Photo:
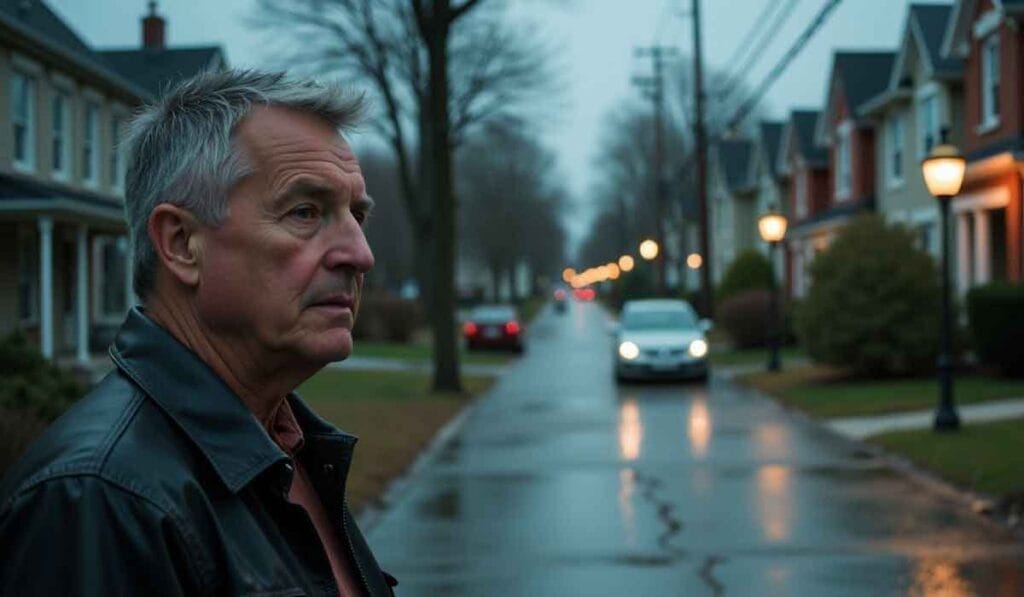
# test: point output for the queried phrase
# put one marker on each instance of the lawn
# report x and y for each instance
(826, 392)
(986, 457)
(395, 415)
(415, 351)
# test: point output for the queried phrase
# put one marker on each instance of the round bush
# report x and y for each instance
(749, 271)
(745, 318)
(873, 305)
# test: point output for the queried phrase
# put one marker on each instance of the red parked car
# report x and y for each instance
(493, 326)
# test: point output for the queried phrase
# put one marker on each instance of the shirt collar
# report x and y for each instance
(213, 417)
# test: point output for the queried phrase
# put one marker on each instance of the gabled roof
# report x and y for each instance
(861, 76)
(156, 69)
(929, 23)
(801, 133)
(769, 139)
(734, 162)
(42, 29)
(958, 30)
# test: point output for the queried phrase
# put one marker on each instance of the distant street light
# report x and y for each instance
(626, 263)
(649, 250)
(694, 261)
(772, 227)
(613, 271)
(943, 171)
(568, 274)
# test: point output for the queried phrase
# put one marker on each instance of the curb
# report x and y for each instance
(979, 505)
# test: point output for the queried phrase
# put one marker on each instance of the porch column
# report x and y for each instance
(45, 225)
(963, 251)
(82, 293)
(982, 247)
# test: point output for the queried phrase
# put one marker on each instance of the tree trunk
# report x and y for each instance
(437, 166)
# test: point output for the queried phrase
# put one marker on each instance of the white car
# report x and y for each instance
(660, 338)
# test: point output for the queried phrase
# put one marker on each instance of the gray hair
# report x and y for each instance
(181, 149)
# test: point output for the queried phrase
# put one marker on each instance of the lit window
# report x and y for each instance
(23, 119)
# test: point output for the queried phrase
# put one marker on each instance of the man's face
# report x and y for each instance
(282, 276)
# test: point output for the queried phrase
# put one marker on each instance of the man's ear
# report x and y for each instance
(176, 235)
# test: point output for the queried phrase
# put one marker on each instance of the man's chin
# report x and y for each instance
(330, 348)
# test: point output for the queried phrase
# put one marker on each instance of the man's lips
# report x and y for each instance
(339, 302)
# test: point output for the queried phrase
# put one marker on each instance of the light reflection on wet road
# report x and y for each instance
(560, 483)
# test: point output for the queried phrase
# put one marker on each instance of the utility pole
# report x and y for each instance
(702, 166)
(654, 88)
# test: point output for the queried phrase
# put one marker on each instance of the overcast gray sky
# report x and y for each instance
(595, 41)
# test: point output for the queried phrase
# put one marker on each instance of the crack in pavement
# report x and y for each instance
(707, 574)
(666, 513)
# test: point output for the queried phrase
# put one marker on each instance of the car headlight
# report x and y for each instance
(698, 348)
(629, 350)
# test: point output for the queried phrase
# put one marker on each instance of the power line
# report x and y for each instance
(780, 19)
(743, 47)
(779, 67)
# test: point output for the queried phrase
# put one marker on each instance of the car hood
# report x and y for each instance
(660, 338)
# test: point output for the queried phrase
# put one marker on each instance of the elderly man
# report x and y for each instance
(193, 468)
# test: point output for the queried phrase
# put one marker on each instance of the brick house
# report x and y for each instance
(987, 36)
(65, 280)
(924, 96)
(804, 165)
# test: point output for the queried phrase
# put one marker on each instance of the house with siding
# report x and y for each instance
(805, 165)
(924, 96)
(64, 275)
(988, 37)
(732, 193)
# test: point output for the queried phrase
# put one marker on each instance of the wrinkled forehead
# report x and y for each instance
(271, 133)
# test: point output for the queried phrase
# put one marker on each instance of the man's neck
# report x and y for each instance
(260, 384)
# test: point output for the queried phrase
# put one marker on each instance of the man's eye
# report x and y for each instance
(360, 215)
(304, 212)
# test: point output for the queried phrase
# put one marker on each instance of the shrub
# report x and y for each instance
(996, 325)
(874, 301)
(745, 317)
(749, 271)
(384, 316)
(31, 384)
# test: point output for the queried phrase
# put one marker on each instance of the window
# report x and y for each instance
(28, 276)
(928, 124)
(23, 120)
(60, 116)
(894, 150)
(801, 194)
(843, 162)
(90, 140)
(990, 81)
(110, 256)
(116, 153)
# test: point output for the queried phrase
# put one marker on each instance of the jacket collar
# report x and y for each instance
(206, 409)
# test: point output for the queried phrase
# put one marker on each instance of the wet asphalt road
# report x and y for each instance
(561, 483)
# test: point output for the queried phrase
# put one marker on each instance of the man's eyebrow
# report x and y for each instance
(316, 190)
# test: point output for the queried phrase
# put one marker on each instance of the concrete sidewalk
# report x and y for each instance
(384, 364)
(862, 427)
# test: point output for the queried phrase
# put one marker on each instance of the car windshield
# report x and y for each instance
(656, 320)
(493, 314)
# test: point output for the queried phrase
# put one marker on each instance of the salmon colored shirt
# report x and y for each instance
(287, 434)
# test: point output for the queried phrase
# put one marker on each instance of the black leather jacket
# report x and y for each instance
(161, 482)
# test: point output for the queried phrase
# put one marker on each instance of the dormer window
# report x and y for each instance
(990, 81)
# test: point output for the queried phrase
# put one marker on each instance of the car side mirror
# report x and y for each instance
(705, 325)
(613, 328)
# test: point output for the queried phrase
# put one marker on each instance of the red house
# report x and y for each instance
(988, 36)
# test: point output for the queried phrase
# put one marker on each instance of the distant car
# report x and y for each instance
(561, 298)
(493, 326)
(660, 338)
(584, 295)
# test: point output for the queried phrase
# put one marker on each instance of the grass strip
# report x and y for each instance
(987, 457)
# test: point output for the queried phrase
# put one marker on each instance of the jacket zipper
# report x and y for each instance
(351, 550)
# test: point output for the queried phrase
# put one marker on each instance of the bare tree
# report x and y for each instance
(406, 50)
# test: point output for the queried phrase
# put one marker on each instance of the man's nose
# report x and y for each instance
(349, 247)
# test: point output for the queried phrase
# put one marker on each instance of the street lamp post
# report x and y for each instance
(772, 227)
(944, 175)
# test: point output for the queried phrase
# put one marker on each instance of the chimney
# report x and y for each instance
(152, 29)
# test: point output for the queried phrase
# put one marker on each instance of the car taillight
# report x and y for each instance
(470, 328)
(512, 328)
